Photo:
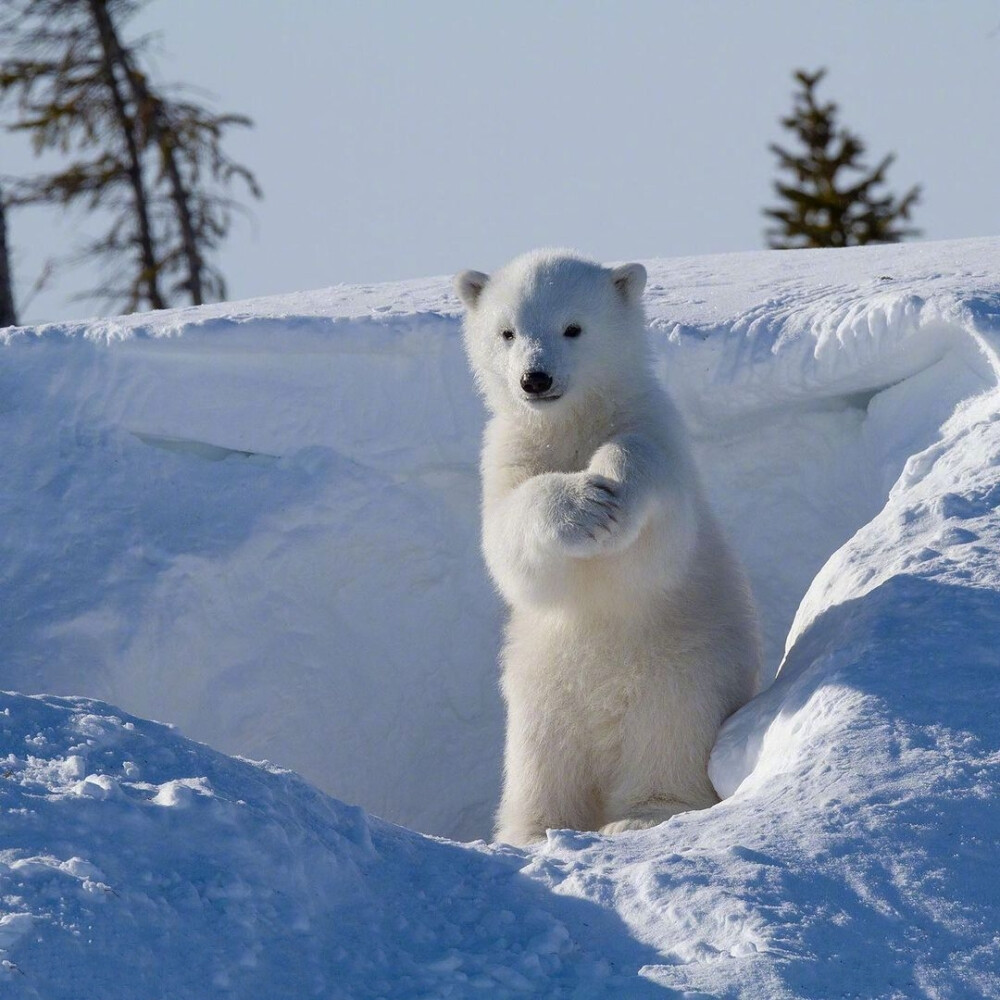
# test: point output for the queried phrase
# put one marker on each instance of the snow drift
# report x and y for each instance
(259, 522)
(135, 863)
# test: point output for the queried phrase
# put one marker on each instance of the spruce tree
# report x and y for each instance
(149, 162)
(831, 198)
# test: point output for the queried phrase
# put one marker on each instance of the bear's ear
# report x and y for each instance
(630, 280)
(469, 285)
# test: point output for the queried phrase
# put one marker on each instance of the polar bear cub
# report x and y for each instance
(631, 635)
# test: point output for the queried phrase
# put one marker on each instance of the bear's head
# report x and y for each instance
(551, 329)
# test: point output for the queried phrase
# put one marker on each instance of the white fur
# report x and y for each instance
(631, 634)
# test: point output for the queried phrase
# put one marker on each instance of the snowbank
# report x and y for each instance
(135, 863)
(258, 521)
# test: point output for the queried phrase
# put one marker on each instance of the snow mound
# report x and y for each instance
(134, 862)
(259, 522)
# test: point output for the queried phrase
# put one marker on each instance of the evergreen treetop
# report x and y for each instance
(831, 198)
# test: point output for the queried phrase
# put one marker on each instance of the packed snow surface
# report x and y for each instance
(259, 522)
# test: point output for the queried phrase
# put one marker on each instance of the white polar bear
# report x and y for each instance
(632, 635)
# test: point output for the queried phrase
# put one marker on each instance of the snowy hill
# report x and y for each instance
(135, 863)
(258, 521)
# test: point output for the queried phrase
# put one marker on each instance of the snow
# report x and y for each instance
(258, 521)
(173, 870)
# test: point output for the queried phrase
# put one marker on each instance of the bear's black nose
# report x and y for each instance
(536, 383)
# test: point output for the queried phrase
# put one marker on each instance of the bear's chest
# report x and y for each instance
(569, 450)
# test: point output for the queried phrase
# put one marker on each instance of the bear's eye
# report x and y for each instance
(507, 334)
(573, 330)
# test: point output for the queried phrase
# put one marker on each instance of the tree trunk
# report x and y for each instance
(163, 135)
(112, 53)
(8, 314)
(165, 138)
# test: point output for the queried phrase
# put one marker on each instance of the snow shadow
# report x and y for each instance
(929, 648)
(449, 920)
(91, 521)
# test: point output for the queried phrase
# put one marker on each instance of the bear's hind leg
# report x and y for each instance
(547, 781)
(543, 795)
(649, 814)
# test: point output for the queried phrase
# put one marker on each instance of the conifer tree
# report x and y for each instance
(831, 198)
(150, 161)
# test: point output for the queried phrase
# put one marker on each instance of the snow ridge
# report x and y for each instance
(133, 861)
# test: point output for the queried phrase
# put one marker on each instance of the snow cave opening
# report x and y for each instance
(794, 482)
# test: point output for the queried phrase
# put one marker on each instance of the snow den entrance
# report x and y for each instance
(793, 477)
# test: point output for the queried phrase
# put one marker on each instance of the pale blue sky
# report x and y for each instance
(398, 140)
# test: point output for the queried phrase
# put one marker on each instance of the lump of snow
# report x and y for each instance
(181, 793)
(96, 786)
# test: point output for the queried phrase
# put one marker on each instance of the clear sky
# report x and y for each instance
(404, 139)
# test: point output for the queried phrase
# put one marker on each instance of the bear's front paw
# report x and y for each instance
(591, 517)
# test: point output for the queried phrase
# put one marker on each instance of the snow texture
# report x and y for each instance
(135, 863)
(259, 521)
